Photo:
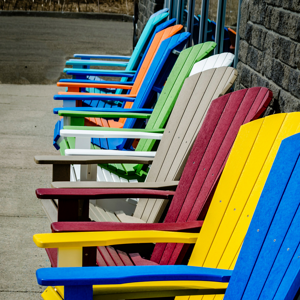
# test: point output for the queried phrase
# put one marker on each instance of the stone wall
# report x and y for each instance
(146, 9)
(269, 53)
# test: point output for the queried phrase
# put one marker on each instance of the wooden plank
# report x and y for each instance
(125, 258)
(114, 255)
(106, 256)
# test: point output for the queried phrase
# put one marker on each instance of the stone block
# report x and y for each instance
(248, 32)
(297, 56)
(286, 51)
(293, 27)
(254, 58)
(258, 36)
(280, 73)
(267, 66)
(287, 102)
(246, 76)
(268, 16)
(271, 44)
(243, 51)
(257, 11)
(294, 83)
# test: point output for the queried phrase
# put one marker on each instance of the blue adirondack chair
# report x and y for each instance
(132, 67)
(268, 266)
(133, 60)
(158, 72)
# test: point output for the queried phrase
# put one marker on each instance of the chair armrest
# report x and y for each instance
(95, 72)
(82, 96)
(95, 114)
(88, 160)
(194, 226)
(93, 81)
(86, 194)
(99, 109)
(110, 238)
(172, 185)
(88, 56)
(82, 62)
(128, 274)
(96, 84)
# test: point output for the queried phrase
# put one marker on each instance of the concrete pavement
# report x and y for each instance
(26, 126)
(34, 50)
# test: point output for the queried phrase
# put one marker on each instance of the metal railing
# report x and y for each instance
(177, 7)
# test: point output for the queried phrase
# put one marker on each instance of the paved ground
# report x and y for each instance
(26, 123)
(26, 128)
(34, 50)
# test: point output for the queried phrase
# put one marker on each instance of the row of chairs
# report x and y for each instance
(220, 200)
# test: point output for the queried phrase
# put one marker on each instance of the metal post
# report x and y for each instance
(203, 21)
(179, 11)
(219, 35)
(237, 38)
(190, 20)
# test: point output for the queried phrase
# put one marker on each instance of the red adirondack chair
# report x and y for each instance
(192, 197)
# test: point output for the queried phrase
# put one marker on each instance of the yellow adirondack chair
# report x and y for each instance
(224, 228)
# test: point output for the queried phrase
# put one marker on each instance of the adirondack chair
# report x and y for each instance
(133, 61)
(130, 69)
(142, 93)
(267, 266)
(134, 87)
(187, 116)
(153, 83)
(192, 196)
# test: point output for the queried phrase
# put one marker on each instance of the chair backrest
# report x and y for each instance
(215, 61)
(146, 36)
(239, 189)
(171, 89)
(268, 264)
(207, 159)
(186, 119)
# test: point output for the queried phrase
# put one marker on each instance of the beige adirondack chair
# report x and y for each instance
(185, 121)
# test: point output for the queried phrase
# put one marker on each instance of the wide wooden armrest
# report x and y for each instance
(95, 114)
(171, 185)
(96, 72)
(86, 194)
(99, 109)
(96, 84)
(88, 160)
(128, 274)
(92, 96)
(88, 56)
(194, 226)
(110, 238)
(85, 62)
